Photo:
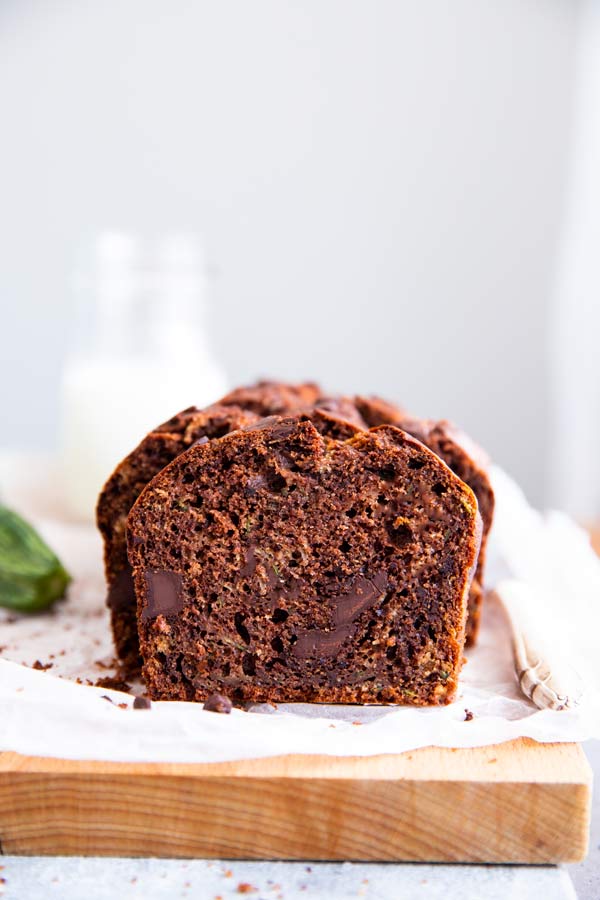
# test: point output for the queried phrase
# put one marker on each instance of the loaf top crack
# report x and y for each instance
(283, 562)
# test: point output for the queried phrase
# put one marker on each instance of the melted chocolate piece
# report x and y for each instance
(121, 593)
(255, 484)
(278, 428)
(165, 595)
(321, 643)
(218, 703)
(277, 589)
(290, 590)
(142, 703)
(250, 562)
(282, 431)
(364, 594)
(262, 424)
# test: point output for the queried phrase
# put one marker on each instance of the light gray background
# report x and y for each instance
(380, 185)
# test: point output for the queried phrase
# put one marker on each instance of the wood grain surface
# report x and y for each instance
(514, 802)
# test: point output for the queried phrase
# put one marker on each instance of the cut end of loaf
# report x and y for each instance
(284, 562)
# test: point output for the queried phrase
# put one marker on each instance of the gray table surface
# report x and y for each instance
(76, 878)
(150, 879)
(586, 875)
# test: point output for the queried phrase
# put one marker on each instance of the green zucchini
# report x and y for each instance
(32, 577)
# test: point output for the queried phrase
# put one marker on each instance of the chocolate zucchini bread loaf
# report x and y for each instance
(121, 491)
(301, 558)
(464, 457)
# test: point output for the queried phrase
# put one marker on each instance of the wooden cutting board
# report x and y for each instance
(518, 802)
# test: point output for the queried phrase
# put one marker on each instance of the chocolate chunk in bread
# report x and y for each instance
(464, 457)
(121, 491)
(281, 563)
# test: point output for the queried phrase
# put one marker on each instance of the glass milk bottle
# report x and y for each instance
(140, 354)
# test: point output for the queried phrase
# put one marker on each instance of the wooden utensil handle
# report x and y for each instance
(543, 674)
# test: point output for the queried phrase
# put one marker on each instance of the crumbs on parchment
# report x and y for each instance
(120, 705)
(40, 666)
(113, 684)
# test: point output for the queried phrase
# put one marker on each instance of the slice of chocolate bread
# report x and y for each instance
(464, 457)
(158, 449)
(281, 563)
(121, 491)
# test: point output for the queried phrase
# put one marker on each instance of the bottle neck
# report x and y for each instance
(149, 316)
(144, 305)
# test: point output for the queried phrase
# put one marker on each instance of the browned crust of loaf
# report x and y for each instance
(464, 457)
(122, 489)
(470, 463)
(178, 659)
(342, 408)
(377, 411)
(268, 398)
(325, 422)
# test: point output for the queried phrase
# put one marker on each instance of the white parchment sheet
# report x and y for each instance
(47, 713)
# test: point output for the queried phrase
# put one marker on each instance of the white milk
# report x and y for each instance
(140, 356)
